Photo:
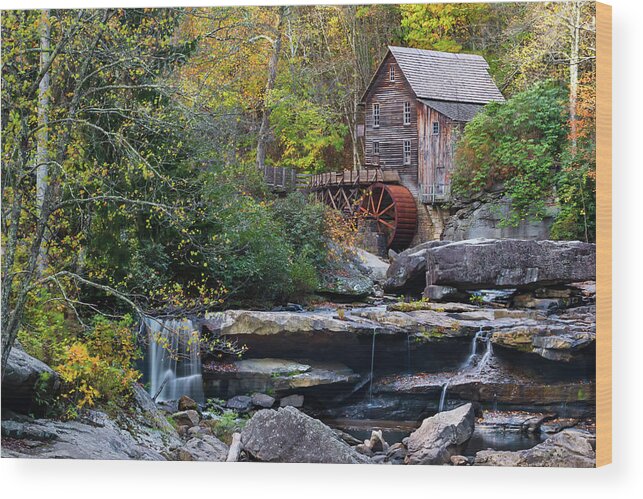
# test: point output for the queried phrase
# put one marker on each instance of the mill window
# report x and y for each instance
(376, 115)
(376, 148)
(407, 113)
(436, 127)
(407, 152)
(392, 73)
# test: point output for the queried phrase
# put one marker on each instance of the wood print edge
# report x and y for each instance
(604, 234)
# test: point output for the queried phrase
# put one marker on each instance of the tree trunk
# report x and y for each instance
(574, 59)
(42, 151)
(264, 130)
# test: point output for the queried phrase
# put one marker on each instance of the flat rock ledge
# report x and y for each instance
(273, 375)
(510, 263)
(100, 438)
(559, 337)
(567, 449)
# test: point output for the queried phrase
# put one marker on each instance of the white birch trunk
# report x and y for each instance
(42, 151)
(574, 60)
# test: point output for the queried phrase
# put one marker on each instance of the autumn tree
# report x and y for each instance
(445, 27)
(83, 134)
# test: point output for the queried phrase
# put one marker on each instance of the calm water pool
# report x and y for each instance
(484, 437)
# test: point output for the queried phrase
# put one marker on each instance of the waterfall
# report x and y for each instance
(173, 359)
(487, 354)
(474, 347)
(443, 396)
(370, 388)
(468, 364)
(408, 352)
(479, 336)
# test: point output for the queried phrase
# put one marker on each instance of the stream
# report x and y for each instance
(373, 375)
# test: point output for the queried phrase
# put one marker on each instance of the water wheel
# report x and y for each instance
(393, 208)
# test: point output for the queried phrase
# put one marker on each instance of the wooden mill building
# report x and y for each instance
(415, 108)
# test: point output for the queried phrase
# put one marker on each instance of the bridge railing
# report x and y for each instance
(353, 178)
(282, 179)
(285, 179)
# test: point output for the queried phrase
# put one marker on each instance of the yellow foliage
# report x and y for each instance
(99, 369)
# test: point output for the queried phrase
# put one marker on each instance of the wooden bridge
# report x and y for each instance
(372, 193)
(283, 180)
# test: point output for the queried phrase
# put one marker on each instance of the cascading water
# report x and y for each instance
(173, 359)
(466, 368)
(488, 352)
(443, 396)
(474, 348)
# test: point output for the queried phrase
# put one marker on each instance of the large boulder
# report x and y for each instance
(96, 437)
(407, 271)
(288, 435)
(509, 263)
(186, 418)
(203, 448)
(262, 400)
(483, 218)
(148, 424)
(567, 449)
(345, 277)
(441, 436)
(376, 267)
(240, 403)
(187, 404)
(27, 383)
(292, 401)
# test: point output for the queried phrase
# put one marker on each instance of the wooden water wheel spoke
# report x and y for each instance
(389, 207)
(372, 203)
(395, 213)
(379, 203)
(387, 224)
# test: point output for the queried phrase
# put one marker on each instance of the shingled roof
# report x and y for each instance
(457, 111)
(443, 76)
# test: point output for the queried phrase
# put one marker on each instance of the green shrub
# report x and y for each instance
(518, 144)
(225, 425)
(304, 277)
(412, 306)
(46, 333)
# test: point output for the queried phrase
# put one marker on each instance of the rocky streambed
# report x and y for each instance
(499, 370)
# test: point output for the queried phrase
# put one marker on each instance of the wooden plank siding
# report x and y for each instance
(392, 132)
(444, 88)
(435, 162)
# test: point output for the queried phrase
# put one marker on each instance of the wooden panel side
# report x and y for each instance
(604, 234)
(440, 148)
(424, 173)
(392, 131)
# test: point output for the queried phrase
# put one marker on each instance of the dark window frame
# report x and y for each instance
(406, 152)
(407, 113)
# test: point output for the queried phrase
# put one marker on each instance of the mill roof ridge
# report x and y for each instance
(444, 76)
